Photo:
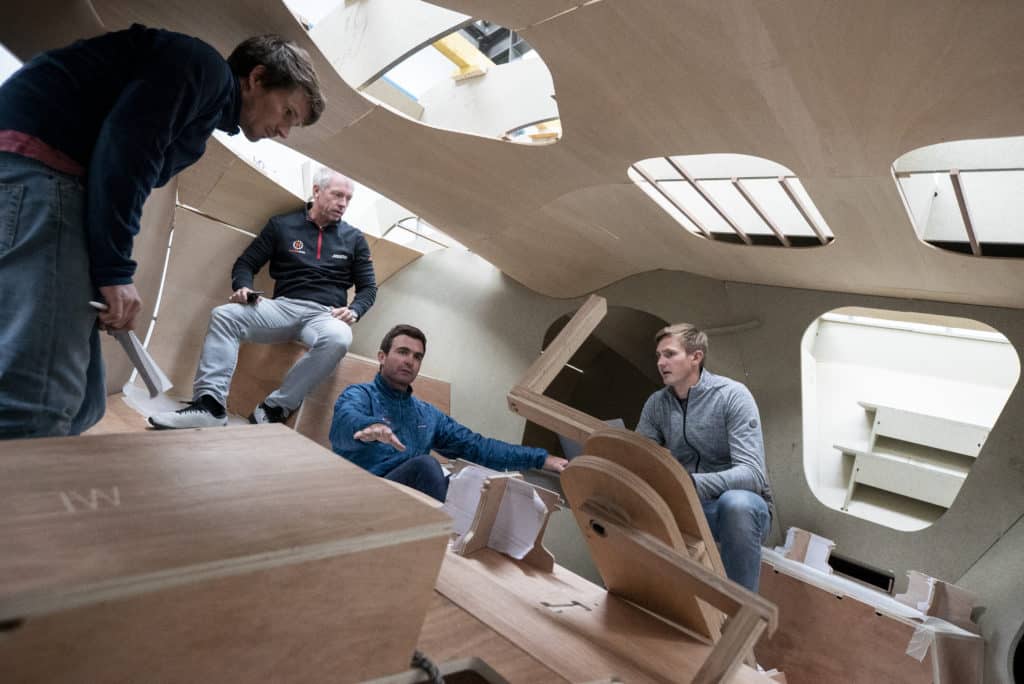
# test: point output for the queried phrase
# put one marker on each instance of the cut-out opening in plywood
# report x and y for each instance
(440, 68)
(966, 196)
(8, 63)
(733, 198)
(897, 407)
(610, 376)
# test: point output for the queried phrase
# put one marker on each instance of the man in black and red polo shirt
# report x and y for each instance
(315, 258)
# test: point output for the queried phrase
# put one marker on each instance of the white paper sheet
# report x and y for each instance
(519, 520)
(520, 514)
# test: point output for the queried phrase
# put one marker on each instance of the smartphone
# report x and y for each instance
(253, 296)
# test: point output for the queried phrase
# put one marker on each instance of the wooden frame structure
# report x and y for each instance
(641, 517)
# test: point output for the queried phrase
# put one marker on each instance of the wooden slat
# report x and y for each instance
(756, 206)
(707, 197)
(542, 371)
(554, 415)
(965, 213)
(791, 194)
(674, 202)
(741, 633)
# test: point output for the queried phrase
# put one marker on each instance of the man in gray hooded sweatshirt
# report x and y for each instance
(711, 425)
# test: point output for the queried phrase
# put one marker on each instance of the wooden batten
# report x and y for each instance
(245, 553)
(542, 372)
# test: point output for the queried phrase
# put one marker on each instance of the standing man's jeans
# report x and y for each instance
(740, 522)
(51, 367)
(268, 322)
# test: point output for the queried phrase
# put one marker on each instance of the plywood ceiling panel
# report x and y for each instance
(224, 25)
(231, 190)
(835, 92)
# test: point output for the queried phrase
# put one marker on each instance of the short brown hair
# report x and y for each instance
(403, 329)
(287, 66)
(690, 336)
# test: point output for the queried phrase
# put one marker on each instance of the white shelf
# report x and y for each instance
(916, 455)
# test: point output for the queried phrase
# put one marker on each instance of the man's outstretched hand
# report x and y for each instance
(379, 432)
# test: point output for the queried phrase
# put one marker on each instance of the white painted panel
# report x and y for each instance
(507, 97)
(941, 433)
(361, 39)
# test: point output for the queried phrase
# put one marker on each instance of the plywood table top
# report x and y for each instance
(90, 518)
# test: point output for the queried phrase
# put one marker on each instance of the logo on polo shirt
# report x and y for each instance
(297, 247)
(339, 256)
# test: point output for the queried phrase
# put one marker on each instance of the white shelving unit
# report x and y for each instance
(920, 456)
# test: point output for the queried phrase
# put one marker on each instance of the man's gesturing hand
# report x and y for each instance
(379, 432)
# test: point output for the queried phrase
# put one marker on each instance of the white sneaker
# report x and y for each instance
(194, 415)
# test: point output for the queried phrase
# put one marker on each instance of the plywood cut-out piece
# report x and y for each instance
(640, 551)
(598, 489)
(656, 466)
(150, 557)
(492, 491)
(491, 496)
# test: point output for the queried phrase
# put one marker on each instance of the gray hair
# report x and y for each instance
(323, 176)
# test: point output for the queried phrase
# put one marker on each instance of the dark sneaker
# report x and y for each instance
(269, 414)
(203, 412)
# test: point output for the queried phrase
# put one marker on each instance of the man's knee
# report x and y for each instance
(423, 473)
(739, 506)
(336, 339)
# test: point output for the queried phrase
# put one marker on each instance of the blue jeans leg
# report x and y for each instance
(740, 522)
(423, 473)
(51, 369)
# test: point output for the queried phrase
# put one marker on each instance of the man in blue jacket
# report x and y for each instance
(711, 425)
(86, 132)
(315, 257)
(381, 427)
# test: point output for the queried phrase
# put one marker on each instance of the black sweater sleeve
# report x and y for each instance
(364, 278)
(254, 257)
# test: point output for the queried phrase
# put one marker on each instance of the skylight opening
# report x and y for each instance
(441, 68)
(733, 198)
(8, 63)
(373, 213)
(966, 196)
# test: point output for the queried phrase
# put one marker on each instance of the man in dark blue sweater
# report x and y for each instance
(86, 132)
(315, 257)
(381, 427)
